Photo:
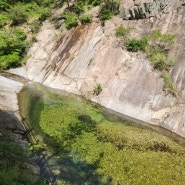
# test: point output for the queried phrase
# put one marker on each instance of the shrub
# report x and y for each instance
(10, 60)
(135, 45)
(97, 90)
(4, 5)
(71, 19)
(105, 15)
(78, 8)
(12, 47)
(156, 46)
(19, 34)
(95, 2)
(156, 35)
(34, 26)
(17, 15)
(168, 84)
(122, 32)
(3, 20)
(44, 15)
(160, 61)
(108, 9)
(86, 18)
(58, 3)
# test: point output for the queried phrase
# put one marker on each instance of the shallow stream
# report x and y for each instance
(78, 142)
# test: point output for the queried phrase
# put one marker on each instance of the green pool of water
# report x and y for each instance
(80, 146)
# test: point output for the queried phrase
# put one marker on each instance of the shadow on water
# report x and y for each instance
(54, 167)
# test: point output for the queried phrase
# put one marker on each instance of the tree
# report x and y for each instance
(17, 15)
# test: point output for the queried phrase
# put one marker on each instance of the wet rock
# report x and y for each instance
(9, 120)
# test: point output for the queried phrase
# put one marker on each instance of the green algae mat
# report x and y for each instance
(80, 146)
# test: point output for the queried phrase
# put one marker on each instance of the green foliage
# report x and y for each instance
(17, 15)
(105, 14)
(97, 90)
(86, 18)
(10, 60)
(12, 47)
(123, 32)
(78, 8)
(156, 45)
(94, 2)
(90, 61)
(12, 165)
(118, 153)
(21, 12)
(58, 3)
(3, 20)
(45, 13)
(11, 153)
(34, 26)
(71, 19)
(168, 84)
(135, 45)
(160, 61)
(108, 9)
(4, 5)
(156, 35)
(13, 13)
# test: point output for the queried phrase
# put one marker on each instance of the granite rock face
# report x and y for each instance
(145, 9)
(79, 60)
(8, 94)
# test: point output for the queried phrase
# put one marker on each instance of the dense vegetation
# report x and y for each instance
(25, 18)
(76, 12)
(19, 19)
(94, 150)
(13, 166)
(156, 45)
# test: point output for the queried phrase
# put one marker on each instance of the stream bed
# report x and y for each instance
(78, 142)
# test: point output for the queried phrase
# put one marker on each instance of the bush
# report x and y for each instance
(161, 42)
(12, 47)
(108, 9)
(34, 26)
(97, 90)
(71, 19)
(123, 32)
(156, 49)
(78, 8)
(3, 20)
(19, 34)
(156, 35)
(87, 18)
(4, 5)
(135, 45)
(105, 15)
(44, 15)
(10, 60)
(168, 84)
(160, 61)
(94, 2)
(17, 15)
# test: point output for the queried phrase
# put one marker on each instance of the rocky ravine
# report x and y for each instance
(80, 59)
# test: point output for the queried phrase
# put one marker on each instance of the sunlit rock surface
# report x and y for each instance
(80, 59)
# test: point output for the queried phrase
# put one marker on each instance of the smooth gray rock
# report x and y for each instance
(146, 9)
